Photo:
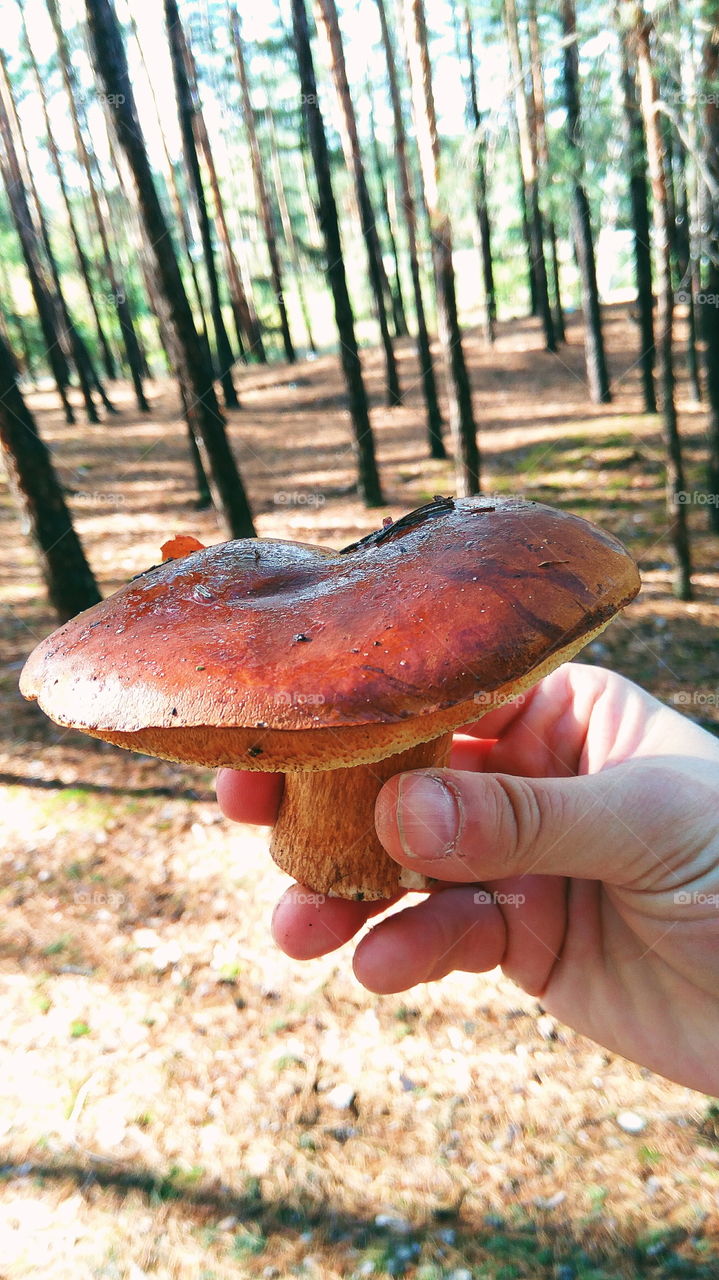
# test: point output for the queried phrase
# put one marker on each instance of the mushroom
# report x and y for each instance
(338, 669)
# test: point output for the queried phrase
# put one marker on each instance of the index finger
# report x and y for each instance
(246, 796)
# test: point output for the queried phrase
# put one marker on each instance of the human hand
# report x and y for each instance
(576, 841)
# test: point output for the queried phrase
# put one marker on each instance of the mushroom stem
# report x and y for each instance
(325, 836)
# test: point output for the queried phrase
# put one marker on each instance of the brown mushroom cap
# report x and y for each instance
(277, 655)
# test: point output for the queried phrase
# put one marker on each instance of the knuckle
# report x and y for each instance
(519, 818)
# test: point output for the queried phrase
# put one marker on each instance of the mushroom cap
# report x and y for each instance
(306, 654)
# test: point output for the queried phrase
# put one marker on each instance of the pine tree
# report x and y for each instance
(50, 320)
(641, 222)
(185, 109)
(461, 414)
(68, 577)
(539, 126)
(529, 160)
(709, 309)
(676, 486)
(261, 189)
(368, 481)
(424, 351)
(596, 363)
(464, 40)
(326, 12)
(88, 160)
(200, 402)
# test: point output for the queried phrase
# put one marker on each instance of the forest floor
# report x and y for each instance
(177, 1099)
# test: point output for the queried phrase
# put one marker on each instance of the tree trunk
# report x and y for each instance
(80, 254)
(396, 297)
(86, 372)
(461, 416)
(539, 115)
(368, 481)
(185, 109)
(65, 571)
(164, 326)
(424, 352)
(14, 320)
(465, 51)
(244, 313)
(195, 377)
(529, 159)
(597, 373)
(532, 288)
(676, 488)
(326, 16)
(261, 193)
(289, 235)
(179, 206)
(709, 311)
(27, 233)
(685, 268)
(641, 224)
(89, 163)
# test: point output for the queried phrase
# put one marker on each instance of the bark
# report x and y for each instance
(164, 326)
(185, 108)
(481, 185)
(80, 254)
(641, 223)
(529, 161)
(676, 487)
(202, 408)
(532, 288)
(243, 310)
(262, 194)
(88, 160)
(709, 310)
(688, 283)
(67, 575)
(289, 235)
(179, 206)
(679, 72)
(368, 481)
(409, 209)
(326, 14)
(461, 416)
(27, 233)
(396, 297)
(86, 372)
(538, 114)
(595, 357)
(14, 320)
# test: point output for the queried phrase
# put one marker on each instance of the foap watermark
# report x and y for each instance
(309, 899)
(489, 898)
(696, 698)
(106, 99)
(697, 97)
(495, 699)
(695, 497)
(111, 898)
(695, 898)
(298, 498)
(293, 698)
(113, 297)
(701, 298)
(95, 498)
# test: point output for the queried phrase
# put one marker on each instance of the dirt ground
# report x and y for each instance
(176, 1097)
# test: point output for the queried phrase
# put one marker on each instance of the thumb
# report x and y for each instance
(458, 826)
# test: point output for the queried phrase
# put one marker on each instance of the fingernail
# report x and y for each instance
(428, 817)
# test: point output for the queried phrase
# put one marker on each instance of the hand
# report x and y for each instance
(576, 839)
